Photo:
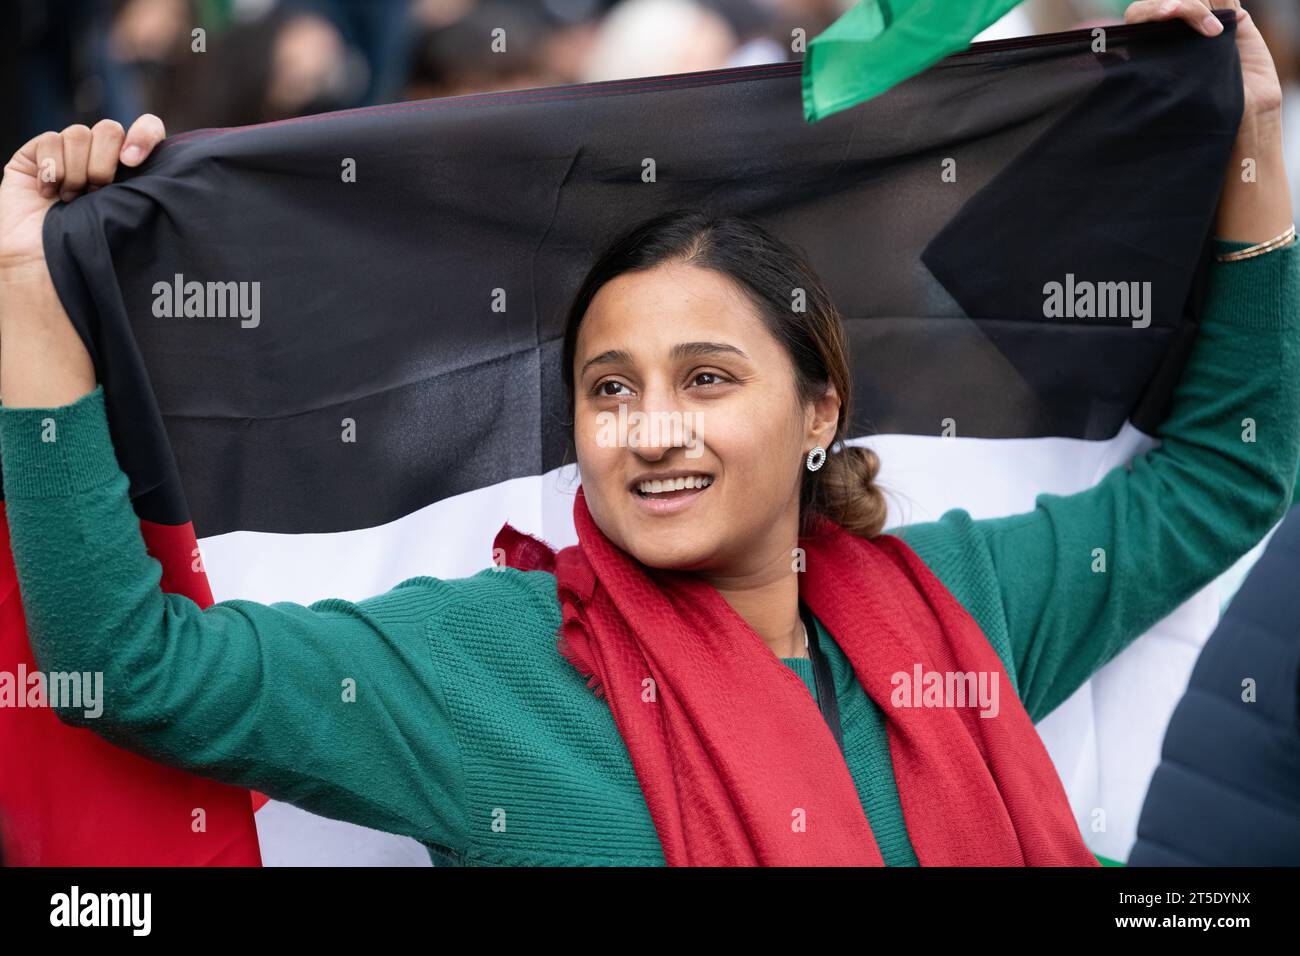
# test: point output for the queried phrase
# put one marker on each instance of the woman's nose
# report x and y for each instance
(662, 424)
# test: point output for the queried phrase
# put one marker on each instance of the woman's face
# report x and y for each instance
(706, 391)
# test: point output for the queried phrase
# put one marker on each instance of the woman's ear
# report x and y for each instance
(824, 418)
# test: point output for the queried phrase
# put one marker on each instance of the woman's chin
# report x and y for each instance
(665, 551)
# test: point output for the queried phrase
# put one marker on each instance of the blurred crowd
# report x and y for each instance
(203, 63)
(269, 59)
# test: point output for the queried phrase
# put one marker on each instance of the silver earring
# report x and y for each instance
(816, 458)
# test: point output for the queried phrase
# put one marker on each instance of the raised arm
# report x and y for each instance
(334, 707)
(1223, 475)
(1174, 518)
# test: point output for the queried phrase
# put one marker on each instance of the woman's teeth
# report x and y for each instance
(674, 484)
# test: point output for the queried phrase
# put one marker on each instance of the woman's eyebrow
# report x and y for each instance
(698, 349)
(678, 351)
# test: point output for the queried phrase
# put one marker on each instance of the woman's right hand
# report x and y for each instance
(63, 165)
(43, 361)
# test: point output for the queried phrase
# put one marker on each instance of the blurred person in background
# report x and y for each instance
(380, 34)
(209, 62)
(462, 54)
(62, 65)
(289, 61)
(645, 37)
(144, 42)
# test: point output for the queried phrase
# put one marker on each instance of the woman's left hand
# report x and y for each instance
(1255, 208)
(1258, 75)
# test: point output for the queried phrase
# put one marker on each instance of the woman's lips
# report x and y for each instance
(671, 503)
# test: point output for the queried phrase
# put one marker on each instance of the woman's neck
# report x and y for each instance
(769, 603)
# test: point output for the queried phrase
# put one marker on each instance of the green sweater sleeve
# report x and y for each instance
(280, 698)
(1166, 523)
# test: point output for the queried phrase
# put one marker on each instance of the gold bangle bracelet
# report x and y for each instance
(1261, 247)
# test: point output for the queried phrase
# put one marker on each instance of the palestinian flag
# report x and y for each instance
(330, 346)
(877, 43)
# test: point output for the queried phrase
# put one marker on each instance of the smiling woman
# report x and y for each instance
(747, 348)
(461, 726)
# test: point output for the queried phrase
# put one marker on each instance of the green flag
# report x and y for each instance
(878, 43)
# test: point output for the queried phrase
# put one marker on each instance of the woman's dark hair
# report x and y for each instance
(771, 272)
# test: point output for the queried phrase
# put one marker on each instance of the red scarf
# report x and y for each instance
(736, 762)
